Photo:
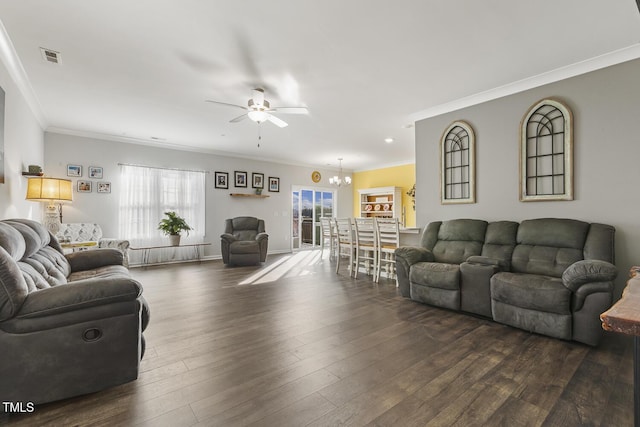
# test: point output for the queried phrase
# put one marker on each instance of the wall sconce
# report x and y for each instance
(54, 191)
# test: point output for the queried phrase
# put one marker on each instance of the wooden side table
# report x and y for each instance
(624, 317)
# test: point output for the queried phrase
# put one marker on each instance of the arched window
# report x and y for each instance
(457, 165)
(546, 164)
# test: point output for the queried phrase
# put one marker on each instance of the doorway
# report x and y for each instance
(308, 206)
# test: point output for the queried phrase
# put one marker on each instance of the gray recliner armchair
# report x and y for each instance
(69, 325)
(244, 241)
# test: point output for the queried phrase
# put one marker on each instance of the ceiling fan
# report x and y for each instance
(259, 110)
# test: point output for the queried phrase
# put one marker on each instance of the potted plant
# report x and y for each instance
(172, 226)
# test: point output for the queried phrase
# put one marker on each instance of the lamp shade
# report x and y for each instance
(48, 189)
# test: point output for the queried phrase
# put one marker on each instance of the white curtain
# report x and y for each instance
(147, 193)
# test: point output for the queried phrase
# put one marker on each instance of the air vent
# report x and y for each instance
(51, 55)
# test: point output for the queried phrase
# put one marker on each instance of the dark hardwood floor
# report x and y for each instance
(293, 344)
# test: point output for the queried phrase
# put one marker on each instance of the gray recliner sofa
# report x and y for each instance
(550, 276)
(69, 325)
(244, 241)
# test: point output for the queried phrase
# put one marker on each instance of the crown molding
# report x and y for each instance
(408, 162)
(596, 63)
(17, 73)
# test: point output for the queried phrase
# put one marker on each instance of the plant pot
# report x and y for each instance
(174, 239)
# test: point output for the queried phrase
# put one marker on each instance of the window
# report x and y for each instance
(457, 164)
(546, 145)
(148, 192)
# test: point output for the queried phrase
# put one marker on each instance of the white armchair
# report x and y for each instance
(87, 232)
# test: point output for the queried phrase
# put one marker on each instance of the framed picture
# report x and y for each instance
(257, 180)
(274, 184)
(74, 170)
(103, 187)
(95, 172)
(546, 152)
(457, 164)
(84, 186)
(222, 180)
(240, 179)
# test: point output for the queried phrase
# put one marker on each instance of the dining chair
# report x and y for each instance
(366, 246)
(344, 231)
(388, 234)
(328, 233)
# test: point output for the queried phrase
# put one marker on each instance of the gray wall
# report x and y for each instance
(606, 111)
(61, 150)
(23, 145)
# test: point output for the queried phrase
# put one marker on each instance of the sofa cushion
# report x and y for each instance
(12, 242)
(463, 229)
(245, 247)
(27, 263)
(459, 239)
(543, 260)
(549, 246)
(530, 291)
(555, 232)
(436, 275)
(499, 242)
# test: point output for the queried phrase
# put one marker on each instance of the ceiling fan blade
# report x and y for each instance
(238, 119)
(225, 103)
(276, 121)
(291, 110)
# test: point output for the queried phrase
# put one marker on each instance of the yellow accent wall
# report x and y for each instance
(396, 176)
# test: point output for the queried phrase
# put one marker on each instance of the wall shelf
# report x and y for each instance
(255, 196)
(382, 202)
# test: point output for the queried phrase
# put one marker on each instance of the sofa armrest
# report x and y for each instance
(262, 236)
(123, 245)
(406, 256)
(587, 289)
(413, 254)
(84, 302)
(588, 271)
(502, 264)
(79, 295)
(89, 260)
(228, 237)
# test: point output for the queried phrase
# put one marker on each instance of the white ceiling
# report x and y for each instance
(365, 68)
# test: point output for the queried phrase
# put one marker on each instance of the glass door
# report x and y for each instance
(308, 206)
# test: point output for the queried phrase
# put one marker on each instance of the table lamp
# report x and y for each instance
(54, 191)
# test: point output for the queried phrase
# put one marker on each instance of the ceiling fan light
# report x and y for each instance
(258, 116)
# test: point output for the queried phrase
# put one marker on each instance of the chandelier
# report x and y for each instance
(340, 179)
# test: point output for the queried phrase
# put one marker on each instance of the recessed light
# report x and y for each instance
(388, 140)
